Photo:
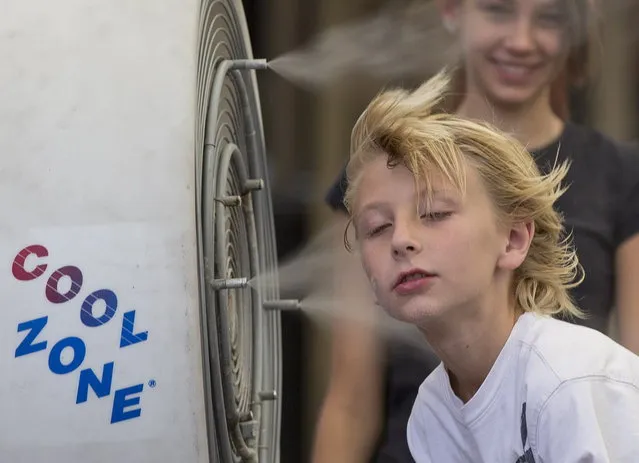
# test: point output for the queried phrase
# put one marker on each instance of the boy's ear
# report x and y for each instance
(449, 12)
(518, 244)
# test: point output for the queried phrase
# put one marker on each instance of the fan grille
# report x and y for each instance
(242, 342)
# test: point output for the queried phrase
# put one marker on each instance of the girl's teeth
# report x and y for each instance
(514, 70)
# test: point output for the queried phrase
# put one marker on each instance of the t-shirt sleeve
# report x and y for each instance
(628, 202)
(335, 196)
(590, 420)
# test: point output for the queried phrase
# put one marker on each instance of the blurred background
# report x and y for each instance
(307, 136)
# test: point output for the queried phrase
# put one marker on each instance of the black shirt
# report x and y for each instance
(600, 208)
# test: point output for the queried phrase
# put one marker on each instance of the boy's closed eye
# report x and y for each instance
(376, 230)
(436, 216)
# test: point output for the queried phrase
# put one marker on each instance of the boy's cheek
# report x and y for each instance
(369, 270)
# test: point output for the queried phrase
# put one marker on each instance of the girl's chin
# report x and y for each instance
(512, 96)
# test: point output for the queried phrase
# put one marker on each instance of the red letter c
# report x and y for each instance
(22, 274)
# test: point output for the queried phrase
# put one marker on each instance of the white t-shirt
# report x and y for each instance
(558, 393)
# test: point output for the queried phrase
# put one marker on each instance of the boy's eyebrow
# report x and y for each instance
(446, 196)
(376, 205)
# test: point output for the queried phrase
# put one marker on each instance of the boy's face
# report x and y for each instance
(452, 252)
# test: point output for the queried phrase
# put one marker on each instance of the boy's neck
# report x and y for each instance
(469, 345)
(534, 125)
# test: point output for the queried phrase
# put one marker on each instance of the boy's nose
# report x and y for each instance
(405, 240)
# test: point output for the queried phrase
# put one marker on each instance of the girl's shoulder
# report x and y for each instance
(580, 140)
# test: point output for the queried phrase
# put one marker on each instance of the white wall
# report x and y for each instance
(97, 166)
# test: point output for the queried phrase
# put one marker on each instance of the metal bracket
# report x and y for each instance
(236, 200)
(249, 430)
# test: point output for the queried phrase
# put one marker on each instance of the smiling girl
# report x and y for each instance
(457, 232)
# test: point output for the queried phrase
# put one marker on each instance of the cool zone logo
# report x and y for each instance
(126, 401)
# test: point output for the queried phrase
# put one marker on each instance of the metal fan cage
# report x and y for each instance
(236, 241)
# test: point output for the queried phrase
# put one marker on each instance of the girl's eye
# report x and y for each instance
(436, 216)
(498, 9)
(551, 18)
(377, 230)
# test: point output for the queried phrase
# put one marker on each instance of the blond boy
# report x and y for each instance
(456, 230)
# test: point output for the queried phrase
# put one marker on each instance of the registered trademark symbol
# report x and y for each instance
(152, 383)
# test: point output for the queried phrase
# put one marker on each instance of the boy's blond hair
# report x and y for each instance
(411, 129)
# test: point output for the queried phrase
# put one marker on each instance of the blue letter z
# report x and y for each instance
(34, 327)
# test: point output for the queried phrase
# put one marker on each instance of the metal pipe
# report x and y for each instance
(267, 395)
(254, 184)
(249, 64)
(230, 201)
(229, 283)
